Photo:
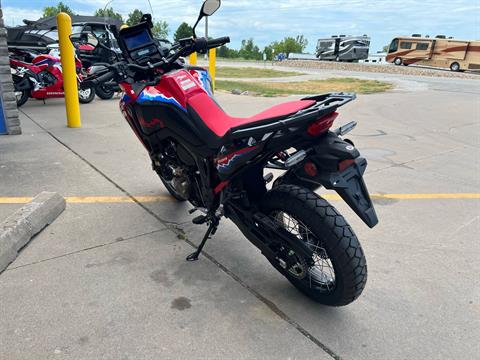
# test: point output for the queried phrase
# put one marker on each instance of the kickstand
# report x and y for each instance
(212, 229)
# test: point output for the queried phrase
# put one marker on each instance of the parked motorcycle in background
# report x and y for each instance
(217, 162)
(42, 78)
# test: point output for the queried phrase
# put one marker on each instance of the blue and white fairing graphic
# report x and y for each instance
(146, 96)
(205, 80)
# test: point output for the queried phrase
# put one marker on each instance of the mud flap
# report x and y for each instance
(350, 186)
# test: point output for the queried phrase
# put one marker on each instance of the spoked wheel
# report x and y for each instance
(320, 273)
(336, 274)
(86, 95)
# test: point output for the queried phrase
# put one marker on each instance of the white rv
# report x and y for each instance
(343, 48)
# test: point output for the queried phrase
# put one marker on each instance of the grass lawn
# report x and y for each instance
(251, 72)
(306, 87)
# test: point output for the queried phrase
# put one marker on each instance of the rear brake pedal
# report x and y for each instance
(201, 219)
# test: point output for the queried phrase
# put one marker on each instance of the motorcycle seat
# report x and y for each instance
(217, 121)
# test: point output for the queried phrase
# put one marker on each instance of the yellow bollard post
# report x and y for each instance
(213, 59)
(193, 59)
(67, 55)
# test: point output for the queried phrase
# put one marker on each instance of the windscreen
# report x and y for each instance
(137, 40)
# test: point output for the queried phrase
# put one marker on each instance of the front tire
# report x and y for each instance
(87, 95)
(398, 61)
(339, 271)
(170, 186)
(104, 92)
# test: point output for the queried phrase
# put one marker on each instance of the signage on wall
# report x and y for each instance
(3, 122)
(3, 126)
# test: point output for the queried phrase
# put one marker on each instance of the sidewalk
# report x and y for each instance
(109, 280)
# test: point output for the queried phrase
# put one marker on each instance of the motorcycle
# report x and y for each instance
(217, 162)
(42, 78)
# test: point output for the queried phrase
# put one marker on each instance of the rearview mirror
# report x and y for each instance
(84, 39)
(208, 8)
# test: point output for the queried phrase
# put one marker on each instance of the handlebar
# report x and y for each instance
(109, 75)
(184, 49)
(218, 42)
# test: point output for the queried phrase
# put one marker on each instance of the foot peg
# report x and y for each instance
(268, 177)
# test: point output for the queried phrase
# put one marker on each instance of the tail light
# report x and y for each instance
(321, 125)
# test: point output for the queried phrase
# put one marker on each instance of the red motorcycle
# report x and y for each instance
(43, 79)
(217, 162)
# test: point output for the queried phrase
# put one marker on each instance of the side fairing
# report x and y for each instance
(160, 111)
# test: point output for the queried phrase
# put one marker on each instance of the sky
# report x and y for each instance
(269, 20)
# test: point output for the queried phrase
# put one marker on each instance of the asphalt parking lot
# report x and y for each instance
(108, 279)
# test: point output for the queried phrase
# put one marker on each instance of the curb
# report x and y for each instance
(18, 229)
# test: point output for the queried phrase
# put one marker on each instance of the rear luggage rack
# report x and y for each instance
(326, 104)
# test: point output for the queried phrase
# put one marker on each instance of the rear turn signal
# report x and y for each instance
(310, 169)
(321, 125)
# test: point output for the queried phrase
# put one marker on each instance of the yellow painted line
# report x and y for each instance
(15, 200)
(427, 196)
(159, 198)
(92, 199)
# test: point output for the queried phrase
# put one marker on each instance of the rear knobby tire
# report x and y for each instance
(339, 244)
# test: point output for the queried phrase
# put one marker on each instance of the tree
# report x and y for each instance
(183, 31)
(269, 51)
(108, 13)
(249, 50)
(225, 52)
(385, 48)
(55, 10)
(160, 28)
(134, 17)
(290, 45)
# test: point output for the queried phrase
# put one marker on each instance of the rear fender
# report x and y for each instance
(337, 165)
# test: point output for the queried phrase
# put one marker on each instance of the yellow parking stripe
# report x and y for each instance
(158, 198)
(412, 196)
(92, 199)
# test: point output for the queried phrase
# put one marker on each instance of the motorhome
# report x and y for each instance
(343, 48)
(440, 51)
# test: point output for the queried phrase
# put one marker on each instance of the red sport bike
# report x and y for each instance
(217, 162)
(42, 78)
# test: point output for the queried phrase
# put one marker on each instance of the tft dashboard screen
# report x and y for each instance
(138, 40)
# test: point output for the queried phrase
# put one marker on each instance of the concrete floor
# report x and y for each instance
(109, 281)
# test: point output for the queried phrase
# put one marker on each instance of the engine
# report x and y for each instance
(46, 78)
(178, 169)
